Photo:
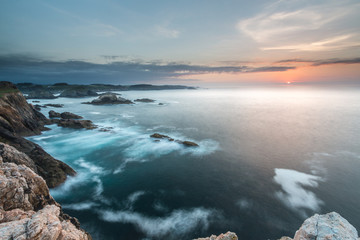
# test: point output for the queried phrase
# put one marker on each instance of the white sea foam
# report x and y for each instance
(160, 207)
(95, 113)
(80, 206)
(177, 223)
(294, 194)
(244, 204)
(89, 166)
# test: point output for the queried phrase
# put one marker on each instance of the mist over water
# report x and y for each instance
(268, 158)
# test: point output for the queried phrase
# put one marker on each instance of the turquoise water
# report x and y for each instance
(268, 158)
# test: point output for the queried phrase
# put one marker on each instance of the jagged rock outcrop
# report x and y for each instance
(53, 114)
(69, 115)
(185, 143)
(27, 210)
(223, 236)
(18, 119)
(73, 123)
(109, 99)
(326, 227)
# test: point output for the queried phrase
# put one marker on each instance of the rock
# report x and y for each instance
(189, 144)
(108, 93)
(40, 94)
(17, 116)
(37, 107)
(69, 115)
(326, 227)
(185, 143)
(54, 105)
(145, 100)
(76, 93)
(160, 104)
(22, 188)
(72, 123)
(53, 114)
(18, 119)
(27, 210)
(35, 101)
(109, 99)
(10, 154)
(226, 236)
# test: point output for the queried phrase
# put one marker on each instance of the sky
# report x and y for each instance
(203, 42)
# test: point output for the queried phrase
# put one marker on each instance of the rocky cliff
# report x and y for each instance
(27, 210)
(18, 119)
(330, 226)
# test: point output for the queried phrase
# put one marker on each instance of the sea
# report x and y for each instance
(268, 158)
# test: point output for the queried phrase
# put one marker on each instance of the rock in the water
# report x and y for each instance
(226, 236)
(69, 115)
(72, 123)
(55, 105)
(53, 114)
(40, 94)
(185, 143)
(145, 100)
(109, 99)
(329, 226)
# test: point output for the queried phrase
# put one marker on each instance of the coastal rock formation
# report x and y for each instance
(145, 100)
(109, 99)
(69, 115)
(72, 123)
(55, 105)
(185, 143)
(40, 94)
(77, 93)
(17, 119)
(27, 210)
(226, 236)
(53, 114)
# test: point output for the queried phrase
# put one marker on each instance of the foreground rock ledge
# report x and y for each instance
(27, 210)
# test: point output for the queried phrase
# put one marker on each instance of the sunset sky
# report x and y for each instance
(180, 42)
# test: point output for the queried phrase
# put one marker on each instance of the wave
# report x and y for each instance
(178, 223)
(80, 206)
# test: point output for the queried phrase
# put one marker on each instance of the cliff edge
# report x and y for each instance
(18, 119)
(27, 210)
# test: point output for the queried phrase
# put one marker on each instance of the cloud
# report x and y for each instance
(299, 27)
(322, 62)
(20, 68)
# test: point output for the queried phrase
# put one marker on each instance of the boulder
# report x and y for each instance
(53, 114)
(69, 115)
(326, 227)
(55, 105)
(109, 99)
(72, 123)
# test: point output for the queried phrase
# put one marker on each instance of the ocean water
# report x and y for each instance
(268, 159)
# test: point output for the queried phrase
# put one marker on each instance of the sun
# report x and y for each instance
(288, 82)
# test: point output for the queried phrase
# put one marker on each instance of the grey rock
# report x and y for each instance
(53, 114)
(109, 99)
(223, 236)
(69, 115)
(145, 100)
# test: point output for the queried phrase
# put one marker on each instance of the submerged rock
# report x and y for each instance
(185, 143)
(109, 99)
(55, 105)
(223, 236)
(145, 100)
